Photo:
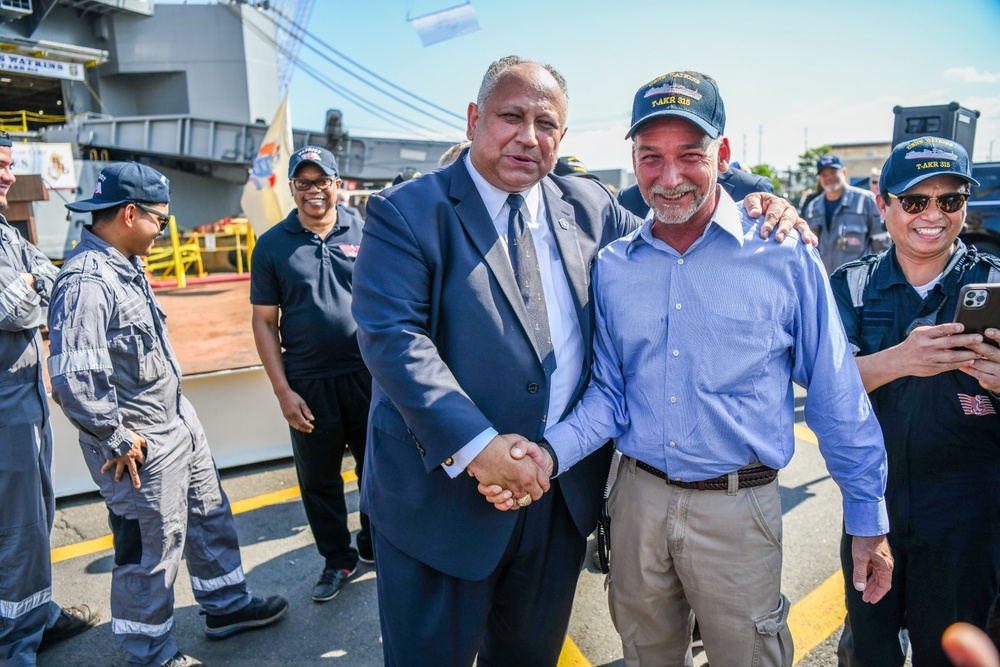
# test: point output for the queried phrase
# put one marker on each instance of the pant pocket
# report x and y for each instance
(773, 643)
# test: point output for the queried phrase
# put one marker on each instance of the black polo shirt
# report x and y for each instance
(310, 280)
(942, 433)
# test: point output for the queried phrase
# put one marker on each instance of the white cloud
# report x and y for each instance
(970, 75)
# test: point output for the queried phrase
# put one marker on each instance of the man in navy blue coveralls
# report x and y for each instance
(932, 388)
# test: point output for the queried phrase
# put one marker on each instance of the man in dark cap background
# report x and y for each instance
(301, 291)
(845, 218)
(115, 376)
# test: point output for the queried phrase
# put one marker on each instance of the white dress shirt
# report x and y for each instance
(564, 327)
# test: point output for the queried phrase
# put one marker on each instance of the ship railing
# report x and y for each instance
(186, 252)
(17, 121)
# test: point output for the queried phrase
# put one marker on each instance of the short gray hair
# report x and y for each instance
(500, 67)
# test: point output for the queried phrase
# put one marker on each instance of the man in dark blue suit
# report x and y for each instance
(459, 356)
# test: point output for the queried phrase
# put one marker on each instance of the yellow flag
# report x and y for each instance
(266, 200)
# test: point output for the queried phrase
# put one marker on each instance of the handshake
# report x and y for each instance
(512, 471)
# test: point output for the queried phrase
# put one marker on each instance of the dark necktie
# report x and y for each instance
(529, 280)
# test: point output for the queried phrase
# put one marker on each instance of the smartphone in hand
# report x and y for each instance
(979, 308)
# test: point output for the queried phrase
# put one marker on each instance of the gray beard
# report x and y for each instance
(679, 217)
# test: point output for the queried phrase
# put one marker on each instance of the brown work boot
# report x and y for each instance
(71, 622)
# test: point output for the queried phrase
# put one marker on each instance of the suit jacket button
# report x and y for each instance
(449, 461)
(532, 387)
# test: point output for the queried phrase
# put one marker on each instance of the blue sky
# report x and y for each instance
(826, 72)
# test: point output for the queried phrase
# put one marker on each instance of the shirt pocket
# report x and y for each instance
(852, 235)
(875, 327)
(735, 353)
(137, 359)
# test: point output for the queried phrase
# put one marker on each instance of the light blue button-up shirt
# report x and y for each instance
(695, 354)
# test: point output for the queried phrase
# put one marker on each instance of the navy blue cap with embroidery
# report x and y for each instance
(571, 165)
(124, 182)
(316, 155)
(830, 160)
(688, 95)
(914, 161)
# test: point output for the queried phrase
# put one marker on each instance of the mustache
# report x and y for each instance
(673, 192)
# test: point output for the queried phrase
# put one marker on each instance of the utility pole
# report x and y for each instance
(760, 144)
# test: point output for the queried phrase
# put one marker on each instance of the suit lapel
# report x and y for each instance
(476, 221)
(562, 220)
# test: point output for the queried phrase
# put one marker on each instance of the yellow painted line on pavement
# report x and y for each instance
(571, 656)
(811, 620)
(817, 616)
(803, 433)
(67, 552)
(70, 551)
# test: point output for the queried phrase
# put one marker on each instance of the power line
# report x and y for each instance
(363, 103)
(303, 30)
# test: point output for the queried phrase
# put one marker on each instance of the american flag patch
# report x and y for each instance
(349, 250)
(976, 405)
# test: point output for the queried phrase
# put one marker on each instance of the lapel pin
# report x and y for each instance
(563, 223)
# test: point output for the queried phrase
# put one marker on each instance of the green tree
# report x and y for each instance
(769, 172)
(808, 160)
(804, 177)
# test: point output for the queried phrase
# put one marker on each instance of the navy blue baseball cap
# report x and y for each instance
(830, 160)
(689, 95)
(124, 182)
(5, 141)
(316, 155)
(914, 161)
(572, 166)
(407, 174)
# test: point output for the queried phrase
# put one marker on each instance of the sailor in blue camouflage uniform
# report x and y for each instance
(933, 390)
(29, 620)
(117, 379)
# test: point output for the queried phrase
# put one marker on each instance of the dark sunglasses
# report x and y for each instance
(162, 220)
(304, 184)
(949, 203)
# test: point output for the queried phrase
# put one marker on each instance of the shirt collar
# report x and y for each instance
(726, 216)
(294, 225)
(950, 277)
(494, 198)
(129, 267)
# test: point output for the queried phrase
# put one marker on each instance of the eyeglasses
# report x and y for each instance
(949, 203)
(304, 184)
(161, 220)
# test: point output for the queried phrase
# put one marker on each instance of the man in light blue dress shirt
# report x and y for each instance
(695, 353)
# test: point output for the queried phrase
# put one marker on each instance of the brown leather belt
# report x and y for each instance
(748, 478)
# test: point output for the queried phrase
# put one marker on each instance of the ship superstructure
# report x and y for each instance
(188, 88)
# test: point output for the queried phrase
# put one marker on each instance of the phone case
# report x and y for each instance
(979, 308)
